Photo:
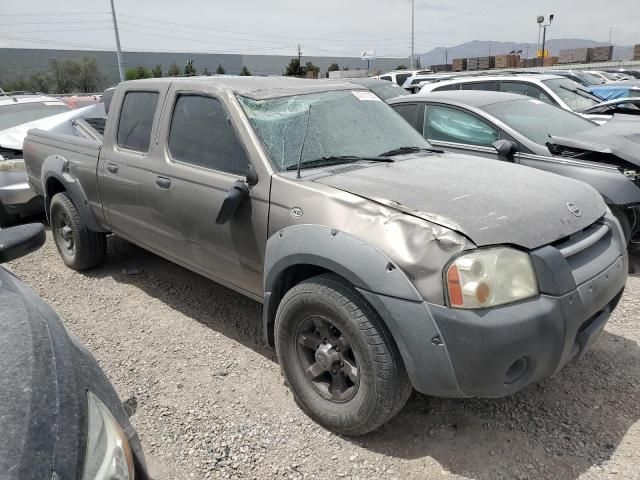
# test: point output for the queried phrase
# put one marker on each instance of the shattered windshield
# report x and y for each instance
(329, 124)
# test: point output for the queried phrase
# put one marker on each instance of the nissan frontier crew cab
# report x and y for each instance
(383, 264)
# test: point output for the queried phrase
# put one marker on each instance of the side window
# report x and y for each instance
(202, 135)
(386, 77)
(452, 125)
(136, 120)
(406, 111)
(452, 86)
(401, 78)
(527, 89)
(490, 86)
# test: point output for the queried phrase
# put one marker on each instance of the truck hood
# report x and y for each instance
(619, 137)
(490, 202)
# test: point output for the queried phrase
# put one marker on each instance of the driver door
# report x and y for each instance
(200, 160)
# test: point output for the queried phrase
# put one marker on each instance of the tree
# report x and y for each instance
(89, 75)
(65, 74)
(401, 67)
(135, 73)
(157, 71)
(220, 70)
(174, 70)
(310, 67)
(189, 69)
(294, 69)
(245, 72)
(206, 72)
(334, 67)
(41, 82)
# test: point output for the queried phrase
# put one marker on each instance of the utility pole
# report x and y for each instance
(610, 31)
(118, 50)
(412, 31)
(299, 54)
(540, 21)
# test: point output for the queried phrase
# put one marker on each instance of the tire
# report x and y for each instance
(7, 219)
(622, 217)
(351, 401)
(79, 247)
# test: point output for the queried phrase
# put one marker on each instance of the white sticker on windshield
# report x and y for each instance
(366, 95)
(54, 103)
(537, 102)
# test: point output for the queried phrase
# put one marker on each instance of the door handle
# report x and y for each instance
(112, 168)
(163, 182)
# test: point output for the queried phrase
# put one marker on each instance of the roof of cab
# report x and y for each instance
(473, 98)
(257, 88)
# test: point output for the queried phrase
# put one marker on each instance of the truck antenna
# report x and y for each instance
(304, 139)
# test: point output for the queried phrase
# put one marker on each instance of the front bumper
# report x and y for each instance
(496, 352)
(16, 195)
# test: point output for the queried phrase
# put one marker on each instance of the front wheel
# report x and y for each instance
(340, 362)
(79, 247)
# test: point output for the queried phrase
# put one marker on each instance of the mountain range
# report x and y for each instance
(481, 48)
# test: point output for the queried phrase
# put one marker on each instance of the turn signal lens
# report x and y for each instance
(487, 278)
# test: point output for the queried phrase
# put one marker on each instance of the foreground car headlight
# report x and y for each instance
(487, 278)
(108, 455)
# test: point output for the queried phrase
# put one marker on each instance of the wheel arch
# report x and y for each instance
(57, 179)
(299, 252)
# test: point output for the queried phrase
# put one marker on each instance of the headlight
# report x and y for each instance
(491, 277)
(108, 455)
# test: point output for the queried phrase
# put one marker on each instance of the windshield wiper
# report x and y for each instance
(403, 150)
(336, 160)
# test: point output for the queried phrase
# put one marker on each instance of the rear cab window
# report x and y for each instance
(136, 120)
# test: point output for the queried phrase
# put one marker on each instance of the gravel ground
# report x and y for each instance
(212, 403)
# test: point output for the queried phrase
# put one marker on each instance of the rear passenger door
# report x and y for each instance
(459, 130)
(126, 164)
(200, 157)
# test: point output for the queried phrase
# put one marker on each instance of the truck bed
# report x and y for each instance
(81, 155)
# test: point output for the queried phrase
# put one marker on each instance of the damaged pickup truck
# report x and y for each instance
(382, 264)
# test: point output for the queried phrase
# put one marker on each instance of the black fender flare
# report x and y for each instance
(57, 167)
(382, 283)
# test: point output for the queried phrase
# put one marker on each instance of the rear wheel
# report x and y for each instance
(79, 247)
(340, 362)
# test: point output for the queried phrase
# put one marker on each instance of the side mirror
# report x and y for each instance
(235, 196)
(252, 176)
(16, 242)
(505, 148)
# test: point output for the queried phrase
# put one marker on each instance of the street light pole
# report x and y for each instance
(118, 51)
(540, 21)
(412, 31)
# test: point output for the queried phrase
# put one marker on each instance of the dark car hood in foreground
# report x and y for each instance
(619, 137)
(44, 376)
(490, 202)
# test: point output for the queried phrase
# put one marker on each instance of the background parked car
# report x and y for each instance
(530, 132)
(400, 76)
(16, 198)
(79, 101)
(382, 88)
(551, 89)
(60, 417)
(585, 79)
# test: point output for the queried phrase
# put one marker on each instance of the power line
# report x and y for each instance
(51, 14)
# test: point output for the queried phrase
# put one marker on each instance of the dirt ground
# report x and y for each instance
(212, 403)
